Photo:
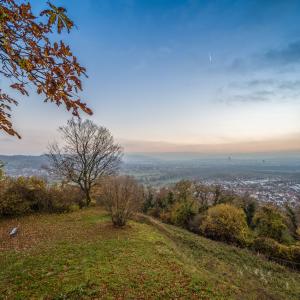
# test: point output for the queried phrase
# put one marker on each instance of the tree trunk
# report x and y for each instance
(87, 197)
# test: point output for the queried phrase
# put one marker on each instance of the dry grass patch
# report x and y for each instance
(37, 229)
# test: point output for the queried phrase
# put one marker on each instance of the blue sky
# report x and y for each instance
(153, 84)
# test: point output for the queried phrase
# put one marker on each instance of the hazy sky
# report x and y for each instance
(180, 73)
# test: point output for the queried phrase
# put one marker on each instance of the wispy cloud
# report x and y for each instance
(289, 54)
(285, 57)
(289, 85)
(254, 97)
(263, 83)
(259, 83)
(263, 89)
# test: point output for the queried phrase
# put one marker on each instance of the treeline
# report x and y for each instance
(122, 196)
(224, 216)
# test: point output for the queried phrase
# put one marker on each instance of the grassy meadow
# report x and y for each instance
(80, 255)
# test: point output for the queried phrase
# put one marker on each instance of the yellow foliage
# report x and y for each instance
(226, 223)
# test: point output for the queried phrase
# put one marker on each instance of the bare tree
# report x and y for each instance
(202, 194)
(89, 153)
(122, 197)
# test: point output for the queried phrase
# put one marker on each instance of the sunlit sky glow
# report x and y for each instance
(151, 81)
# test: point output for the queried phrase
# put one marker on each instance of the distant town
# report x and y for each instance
(267, 177)
(268, 190)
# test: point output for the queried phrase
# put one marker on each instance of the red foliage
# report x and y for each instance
(28, 56)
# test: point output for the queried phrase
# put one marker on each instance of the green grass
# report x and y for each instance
(81, 256)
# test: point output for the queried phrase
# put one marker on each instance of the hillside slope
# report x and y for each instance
(81, 256)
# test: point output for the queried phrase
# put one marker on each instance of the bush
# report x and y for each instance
(295, 251)
(291, 216)
(226, 223)
(298, 232)
(272, 248)
(24, 195)
(21, 195)
(289, 255)
(196, 222)
(154, 212)
(149, 200)
(164, 199)
(165, 216)
(122, 197)
(270, 222)
(250, 207)
(63, 198)
(182, 212)
(183, 190)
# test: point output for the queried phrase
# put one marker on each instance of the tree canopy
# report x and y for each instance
(29, 56)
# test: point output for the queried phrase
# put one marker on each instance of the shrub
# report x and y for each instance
(298, 232)
(24, 195)
(122, 197)
(226, 223)
(221, 196)
(149, 200)
(154, 211)
(272, 248)
(196, 222)
(270, 222)
(249, 209)
(182, 212)
(63, 198)
(295, 251)
(164, 199)
(165, 216)
(21, 195)
(183, 190)
(291, 217)
(289, 255)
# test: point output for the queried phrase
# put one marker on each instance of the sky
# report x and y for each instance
(170, 75)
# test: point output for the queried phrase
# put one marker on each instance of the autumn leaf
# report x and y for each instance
(34, 58)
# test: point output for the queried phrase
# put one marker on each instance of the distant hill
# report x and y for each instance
(16, 165)
(24, 161)
(164, 168)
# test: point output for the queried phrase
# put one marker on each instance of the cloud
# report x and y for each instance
(284, 58)
(289, 85)
(260, 82)
(285, 55)
(272, 83)
(261, 96)
(263, 89)
(248, 91)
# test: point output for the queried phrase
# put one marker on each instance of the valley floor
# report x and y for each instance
(80, 255)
